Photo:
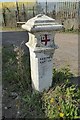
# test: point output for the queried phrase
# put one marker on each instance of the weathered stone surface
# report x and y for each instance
(42, 46)
(41, 23)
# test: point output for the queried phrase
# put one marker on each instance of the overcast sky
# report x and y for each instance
(39, 0)
(51, 0)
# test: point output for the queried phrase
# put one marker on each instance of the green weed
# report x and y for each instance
(60, 101)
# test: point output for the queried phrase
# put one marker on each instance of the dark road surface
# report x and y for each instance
(15, 38)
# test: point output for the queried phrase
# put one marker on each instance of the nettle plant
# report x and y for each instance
(63, 100)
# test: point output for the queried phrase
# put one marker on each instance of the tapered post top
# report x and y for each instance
(41, 23)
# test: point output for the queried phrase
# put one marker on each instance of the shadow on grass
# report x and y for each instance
(63, 75)
(76, 80)
(19, 100)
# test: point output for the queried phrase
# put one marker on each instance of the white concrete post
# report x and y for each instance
(41, 45)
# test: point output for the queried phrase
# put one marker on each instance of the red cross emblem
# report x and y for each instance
(45, 39)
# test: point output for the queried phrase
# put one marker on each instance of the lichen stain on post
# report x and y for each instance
(41, 44)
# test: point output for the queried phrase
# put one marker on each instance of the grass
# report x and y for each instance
(11, 29)
(32, 104)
